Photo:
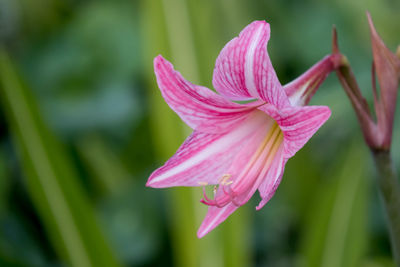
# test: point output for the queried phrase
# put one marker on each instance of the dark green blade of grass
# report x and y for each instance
(52, 182)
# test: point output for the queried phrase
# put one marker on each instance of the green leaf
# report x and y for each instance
(108, 174)
(52, 182)
(336, 230)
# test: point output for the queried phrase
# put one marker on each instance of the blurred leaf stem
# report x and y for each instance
(63, 207)
(389, 186)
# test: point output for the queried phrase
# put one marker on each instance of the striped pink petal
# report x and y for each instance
(214, 217)
(298, 124)
(198, 106)
(243, 69)
(303, 88)
(204, 158)
(268, 187)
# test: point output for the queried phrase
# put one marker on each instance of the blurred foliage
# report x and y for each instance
(76, 76)
(52, 185)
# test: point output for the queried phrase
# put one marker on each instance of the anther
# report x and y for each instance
(224, 179)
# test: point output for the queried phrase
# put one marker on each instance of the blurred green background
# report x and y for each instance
(82, 126)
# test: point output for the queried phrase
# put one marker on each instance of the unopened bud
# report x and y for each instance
(387, 67)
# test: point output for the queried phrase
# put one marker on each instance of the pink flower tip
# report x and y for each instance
(158, 59)
(201, 234)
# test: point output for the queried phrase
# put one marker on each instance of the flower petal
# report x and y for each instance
(214, 217)
(303, 88)
(243, 69)
(272, 180)
(204, 158)
(198, 106)
(298, 124)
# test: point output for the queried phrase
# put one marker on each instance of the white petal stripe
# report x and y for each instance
(249, 63)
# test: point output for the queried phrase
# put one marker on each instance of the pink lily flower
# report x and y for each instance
(239, 148)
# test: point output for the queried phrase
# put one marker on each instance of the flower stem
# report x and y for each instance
(390, 189)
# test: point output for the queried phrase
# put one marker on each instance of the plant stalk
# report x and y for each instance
(389, 186)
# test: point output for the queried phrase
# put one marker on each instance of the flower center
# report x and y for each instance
(238, 189)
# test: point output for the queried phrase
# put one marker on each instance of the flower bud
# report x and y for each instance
(386, 66)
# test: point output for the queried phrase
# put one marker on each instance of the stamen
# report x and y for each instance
(221, 202)
(224, 179)
(207, 203)
(227, 193)
(232, 196)
(214, 202)
(205, 195)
